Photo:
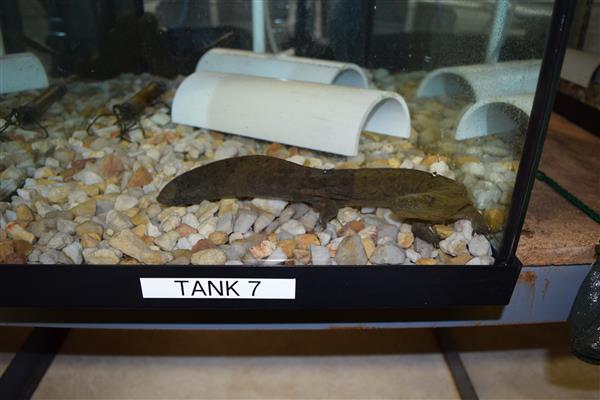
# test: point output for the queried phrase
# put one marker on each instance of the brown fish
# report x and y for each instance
(410, 194)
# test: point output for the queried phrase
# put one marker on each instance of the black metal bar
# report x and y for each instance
(29, 365)
(457, 369)
(538, 125)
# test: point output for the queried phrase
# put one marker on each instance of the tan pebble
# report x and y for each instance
(426, 261)
(443, 231)
(182, 253)
(302, 256)
(89, 227)
(203, 244)
(141, 177)
(16, 231)
(155, 257)
(462, 160)
(276, 150)
(15, 258)
(304, 241)
(494, 219)
(228, 206)
(24, 213)
(185, 230)
(461, 259)
(22, 247)
(405, 239)
(131, 212)
(394, 163)
(264, 249)
(140, 231)
(378, 164)
(369, 246)
(89, 240)
(128, 243)
(85, 209)
(140, 218)
(351, 228)
(218, 237)
(347, 165)
(209, 257)
(90, 190)
(6, 248)
(272, 237)
(288, 247)
(3, 234)
(111, 165)
(149, 240)
(44, 182)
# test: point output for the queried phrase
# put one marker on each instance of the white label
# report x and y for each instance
(218, 288)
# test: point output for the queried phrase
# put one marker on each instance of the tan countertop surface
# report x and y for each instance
(556, 232)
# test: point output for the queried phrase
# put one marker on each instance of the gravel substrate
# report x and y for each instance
(92, 199)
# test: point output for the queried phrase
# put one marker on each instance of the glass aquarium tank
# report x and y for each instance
(270, 154)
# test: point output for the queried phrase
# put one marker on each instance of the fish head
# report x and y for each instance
(172, 195)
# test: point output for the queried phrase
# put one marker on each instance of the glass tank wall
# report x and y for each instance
(83, 162)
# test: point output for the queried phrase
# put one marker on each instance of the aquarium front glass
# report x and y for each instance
(265, 133)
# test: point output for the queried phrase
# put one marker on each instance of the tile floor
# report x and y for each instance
(528, 362)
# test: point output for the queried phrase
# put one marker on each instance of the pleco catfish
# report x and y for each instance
(410, 194)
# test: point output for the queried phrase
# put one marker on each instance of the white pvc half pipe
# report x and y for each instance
(231, 61)
(494, 115)
(316, 116)
(479, 82)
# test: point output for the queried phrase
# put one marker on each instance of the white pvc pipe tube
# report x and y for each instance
(315, 116)
(494, 115)
(21, 71)
(282, 67)
(478, 82)
(498, 31)
(258, 26)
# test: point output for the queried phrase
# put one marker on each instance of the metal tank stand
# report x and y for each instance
(29, 365)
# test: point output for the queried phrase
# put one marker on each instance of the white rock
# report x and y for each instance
(167, 241)
(190, 219)
(207, 227)
(172, 222)
(263, 220)
(244, 221)
(324, 238)
(455, 244)
(225, 151)
(225, 223)
(465, 227)
(59, 241)
(293, 227)
(319, 255)
(88, 177)
(77, 197)
(388, 254)
(152, 230)
(125, 202)
(347, 214)
(194, 238)
(487, 195)
(183, 244)
(412, 255)
(309, 220)
(277, 257)
(160, 118)
(271, 206)
(296, 159)
(10, 215)
(474, 168)
(479, 246)
(73, 251)
(440, 168)
(66, 226)
(483, 260)
(117, 221)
